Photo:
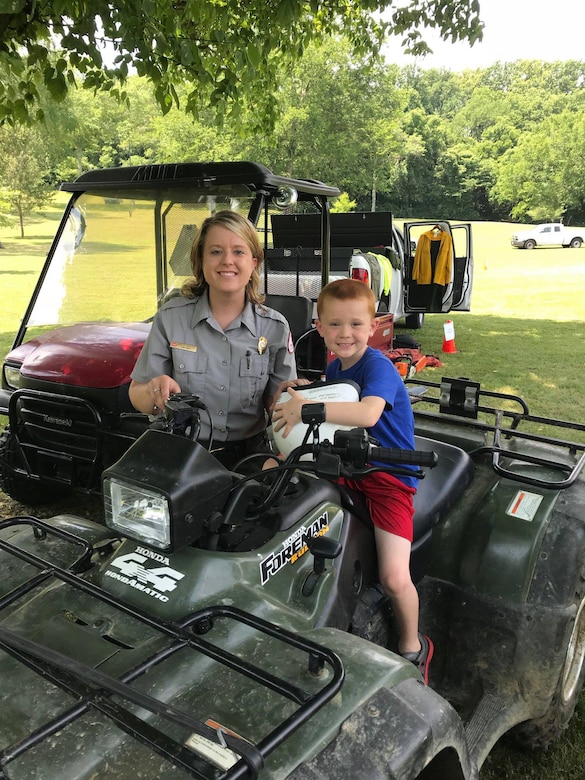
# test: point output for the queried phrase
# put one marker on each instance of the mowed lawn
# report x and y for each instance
(525, 335)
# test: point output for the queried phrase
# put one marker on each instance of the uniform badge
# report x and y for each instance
(180, 345)
(262, 344)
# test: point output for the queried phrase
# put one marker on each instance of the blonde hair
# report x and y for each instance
(243, 228)
(347, 290)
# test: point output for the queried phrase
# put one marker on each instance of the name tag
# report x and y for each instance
(188, 347)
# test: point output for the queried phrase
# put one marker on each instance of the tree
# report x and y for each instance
(340, 122)
(229, 53)
(542, 177)
(24, 169)
(4, 209)
(343, 204)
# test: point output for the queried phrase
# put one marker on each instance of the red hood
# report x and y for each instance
(88, 354)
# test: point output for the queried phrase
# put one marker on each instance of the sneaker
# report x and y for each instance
(422, 659)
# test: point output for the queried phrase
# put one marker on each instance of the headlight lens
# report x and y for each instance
(138, 513)
(12, 376)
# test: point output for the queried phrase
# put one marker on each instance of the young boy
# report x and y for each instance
(346, 320)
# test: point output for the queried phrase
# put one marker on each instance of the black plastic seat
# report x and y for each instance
(297, 310)
(441, 487)
(436, 493)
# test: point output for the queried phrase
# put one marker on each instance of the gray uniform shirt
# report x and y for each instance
(232, 371)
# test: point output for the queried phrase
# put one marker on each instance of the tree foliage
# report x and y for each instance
(228, 53)
(496, 143)
(24, 170)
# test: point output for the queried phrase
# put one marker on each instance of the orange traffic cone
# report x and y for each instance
(449, 338)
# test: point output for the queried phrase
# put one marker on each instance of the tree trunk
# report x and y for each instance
(21, 220)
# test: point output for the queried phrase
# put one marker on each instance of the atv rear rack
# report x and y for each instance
(114, 697)
(461, 399)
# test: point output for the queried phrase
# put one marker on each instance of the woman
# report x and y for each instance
(218, 341)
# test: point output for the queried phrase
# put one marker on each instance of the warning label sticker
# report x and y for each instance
(524, 505)
(217, 753)
(221, 757)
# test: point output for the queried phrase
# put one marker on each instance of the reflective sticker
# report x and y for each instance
(524, 505)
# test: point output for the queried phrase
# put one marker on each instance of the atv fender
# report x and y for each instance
(395, 735)
(505, 535)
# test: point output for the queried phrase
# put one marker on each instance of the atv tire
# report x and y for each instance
(541, 733)
(373, 619)
(26, 491)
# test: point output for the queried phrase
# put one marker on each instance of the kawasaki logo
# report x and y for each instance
(64, 422)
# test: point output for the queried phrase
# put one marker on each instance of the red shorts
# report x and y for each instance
(389, 501)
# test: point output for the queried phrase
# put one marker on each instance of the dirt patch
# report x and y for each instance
(89, 507)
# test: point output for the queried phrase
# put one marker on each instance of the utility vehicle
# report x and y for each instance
(229, 625)
(121, 249)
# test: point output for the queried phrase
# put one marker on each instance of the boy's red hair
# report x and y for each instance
(347, 290)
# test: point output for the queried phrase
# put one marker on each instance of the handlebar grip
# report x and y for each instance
(404, 457)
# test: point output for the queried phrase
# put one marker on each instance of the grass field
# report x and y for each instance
(525, 335)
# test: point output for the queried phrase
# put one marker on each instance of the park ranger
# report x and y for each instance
(219, 341)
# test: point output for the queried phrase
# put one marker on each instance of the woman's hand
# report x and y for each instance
(151, 397)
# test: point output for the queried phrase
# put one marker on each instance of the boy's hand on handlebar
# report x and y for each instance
(288, 414)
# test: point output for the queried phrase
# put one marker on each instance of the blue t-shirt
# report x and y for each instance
(376, 375)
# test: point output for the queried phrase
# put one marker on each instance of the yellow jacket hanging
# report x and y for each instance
(421, 271)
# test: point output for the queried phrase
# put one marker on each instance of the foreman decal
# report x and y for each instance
(293, 548)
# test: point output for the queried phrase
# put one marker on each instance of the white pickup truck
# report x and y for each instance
(548, 235)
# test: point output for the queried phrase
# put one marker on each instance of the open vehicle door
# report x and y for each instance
(438, 266)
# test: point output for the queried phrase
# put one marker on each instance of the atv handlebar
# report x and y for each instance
(354, 447)
(357, 448)
(403, 457)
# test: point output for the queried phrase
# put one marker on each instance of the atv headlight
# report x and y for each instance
(138, 512)
(12, 376)
(163, 489)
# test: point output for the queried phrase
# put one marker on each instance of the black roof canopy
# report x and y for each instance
(252, 175)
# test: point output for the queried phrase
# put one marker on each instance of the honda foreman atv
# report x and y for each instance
(229, 624)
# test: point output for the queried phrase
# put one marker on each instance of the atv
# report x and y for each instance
(230, 625)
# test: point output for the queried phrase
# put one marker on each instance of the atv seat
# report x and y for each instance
(437, 492)
(441, 487)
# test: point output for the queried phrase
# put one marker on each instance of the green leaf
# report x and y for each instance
(254, 53)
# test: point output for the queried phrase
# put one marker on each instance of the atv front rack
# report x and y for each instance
(118, 701)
